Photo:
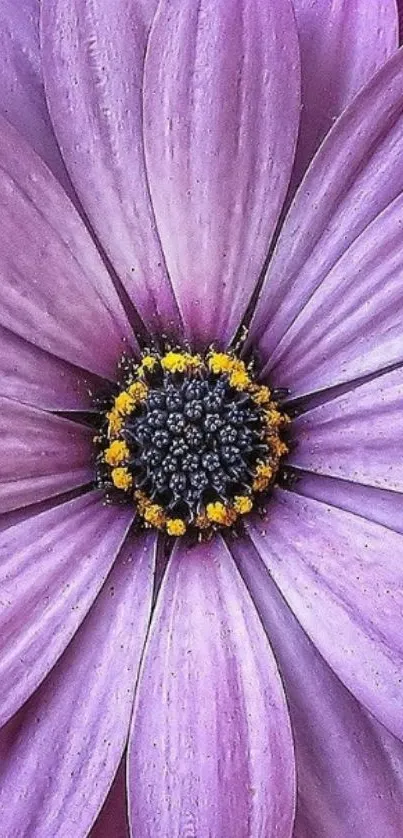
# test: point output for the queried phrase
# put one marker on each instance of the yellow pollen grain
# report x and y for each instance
(242, 504)
(278, 447)
(117, 452)
(263, 476)
(148, 363)
(138, 392)
(180, 361)
(175, 526)
(239, 379)
(174, 362)
(219, 362)
(115, 423)
(219, 513)
(124, 403)
(154, 515)
(261, 395)
(273, 417)
(238, 376)
(121, 478)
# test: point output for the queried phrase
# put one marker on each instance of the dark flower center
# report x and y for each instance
(190, 440)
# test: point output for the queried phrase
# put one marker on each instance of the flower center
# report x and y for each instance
(190, 440)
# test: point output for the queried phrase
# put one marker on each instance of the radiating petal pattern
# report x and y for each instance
(221, 110)
(346, 777)
(62, 751)
(54, 288)
(357, 436)
(51, 568)
(93, 60)
(112, 820)
(343, 578)
(342, 45)
(223, 674)
(378, 505)
(351, 326)
(22, 96)
(210, 751)
(41, 455)
(356, 174)
(30, 375)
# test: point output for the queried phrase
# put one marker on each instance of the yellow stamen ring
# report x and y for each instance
(130, 407)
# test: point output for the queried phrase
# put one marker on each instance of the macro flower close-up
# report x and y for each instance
(201, 372)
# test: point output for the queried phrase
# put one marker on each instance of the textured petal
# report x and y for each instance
(351, 326)
(30, 375)
(357, 172)
(63, 749)
(54, 289)
(346, 779)
(210, 752)
(343, 578)
(342, 45)
(52, 567)
(221, 112)
(112, 820)
(22, 96)
(379, 505)
(93, 58)
(23, 513)
(41, 455)
(357, 436)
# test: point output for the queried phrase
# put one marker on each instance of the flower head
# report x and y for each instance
(190, 441)
(201, 416)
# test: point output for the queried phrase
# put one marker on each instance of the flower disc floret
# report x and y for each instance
(190, 441)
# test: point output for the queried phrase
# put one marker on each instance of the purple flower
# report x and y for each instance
(240, 687)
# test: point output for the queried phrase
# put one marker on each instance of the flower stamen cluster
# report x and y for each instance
(190, 440)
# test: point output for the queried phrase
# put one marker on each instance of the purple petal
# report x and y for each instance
(379, 505)
(357, 436)
(93, 61)
(346, 779)
(52, 568)
(342, 576)
(400, 14)
(23, 513)
(342, 45)
(62, 751)
(210, 751)
(41, 455)
(112, 820)
(22, 97)
(356, 174)
(54, 291)
(30, 375)
(351, 326)
(221, 111)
